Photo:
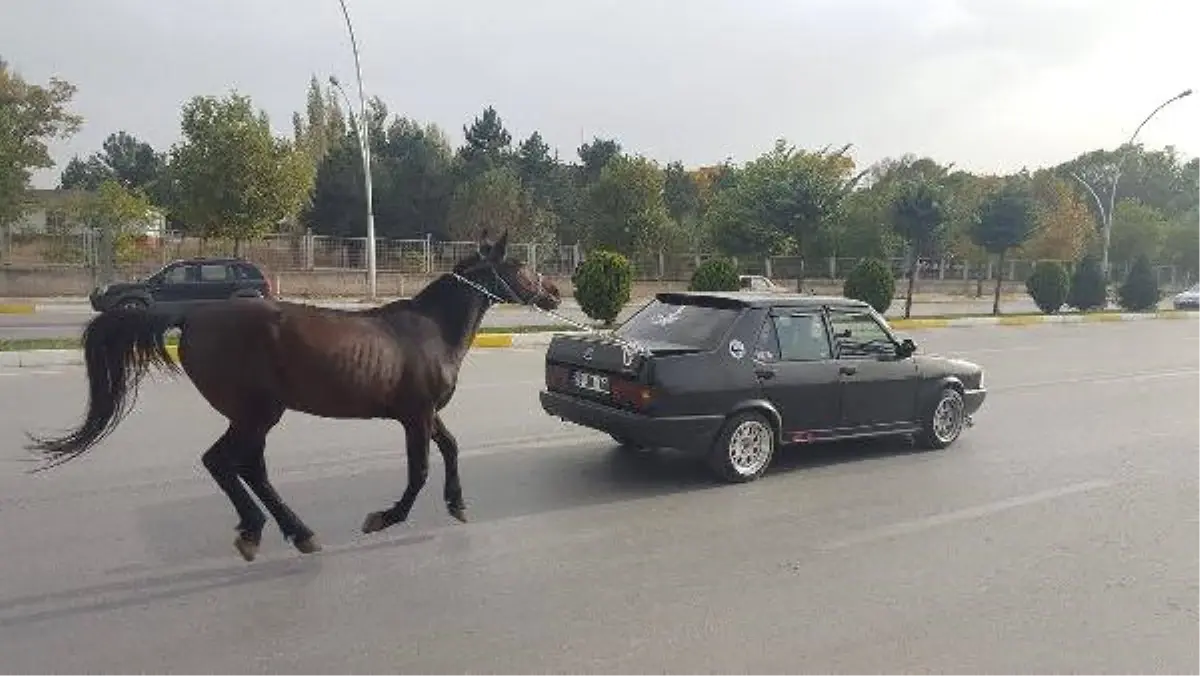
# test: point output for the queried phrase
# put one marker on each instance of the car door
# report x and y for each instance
(171, 287)
(878, 388)
(215, 282)
(794, 365)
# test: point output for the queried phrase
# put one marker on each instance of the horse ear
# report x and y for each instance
(483, 245)
(500, 247)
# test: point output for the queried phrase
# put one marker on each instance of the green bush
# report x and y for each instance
(1048, 286)
(603, 284)
(1088, 290)
(1139, 292)
(871, 281)
(715, 274)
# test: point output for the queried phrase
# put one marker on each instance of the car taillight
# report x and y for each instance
(556, 377)
(632, 394)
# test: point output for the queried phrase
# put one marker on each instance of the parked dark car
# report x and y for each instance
(736, 375)
(186, 282)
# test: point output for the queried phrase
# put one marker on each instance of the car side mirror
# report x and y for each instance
(906, 348)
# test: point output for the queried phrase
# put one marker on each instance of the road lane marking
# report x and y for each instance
(1098, 379)
(961, 515)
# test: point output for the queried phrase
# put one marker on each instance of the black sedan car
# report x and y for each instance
(735, 375)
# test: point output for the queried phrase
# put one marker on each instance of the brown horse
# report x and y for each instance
(253, 359)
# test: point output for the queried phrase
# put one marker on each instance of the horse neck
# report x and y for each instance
(456, 307)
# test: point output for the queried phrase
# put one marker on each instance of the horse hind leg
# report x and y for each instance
(252, 466)
(417, 436)
(452, 493)
(220, 462)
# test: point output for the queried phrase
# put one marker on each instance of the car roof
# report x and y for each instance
(753, 299)
(212, 259)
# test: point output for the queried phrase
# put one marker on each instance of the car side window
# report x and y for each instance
(859, 335)
(214, 273)
(802, 337)
(766, 348)
(176, 275)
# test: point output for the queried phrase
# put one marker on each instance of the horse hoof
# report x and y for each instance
(308, 546)
(459, 513)
(374, 523)
(247, 548)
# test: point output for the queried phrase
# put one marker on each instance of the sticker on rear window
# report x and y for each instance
(669, 317)
(736, 349)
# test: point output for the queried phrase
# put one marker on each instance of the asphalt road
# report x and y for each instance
(1058, 536)
(68, 322)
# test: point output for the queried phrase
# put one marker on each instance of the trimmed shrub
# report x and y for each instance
(1139, 292)
(871, 281)
(715, 274)
(1048, 286)
(1088, 290)
(603, 284)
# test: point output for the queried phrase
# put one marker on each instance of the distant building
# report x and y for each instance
(50, 212)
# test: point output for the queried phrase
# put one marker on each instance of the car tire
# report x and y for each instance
(744, 448)
(944, 421)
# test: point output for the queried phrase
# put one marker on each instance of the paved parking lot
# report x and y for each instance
(1058, 535)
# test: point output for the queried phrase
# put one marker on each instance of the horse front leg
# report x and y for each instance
(417, 434)
(448, 446)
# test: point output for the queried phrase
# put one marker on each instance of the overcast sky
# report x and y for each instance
(991, 85)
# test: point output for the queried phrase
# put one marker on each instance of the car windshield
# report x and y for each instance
(695, 326)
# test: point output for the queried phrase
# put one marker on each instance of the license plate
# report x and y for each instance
(591, 382)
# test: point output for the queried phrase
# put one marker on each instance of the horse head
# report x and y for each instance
(504, 278)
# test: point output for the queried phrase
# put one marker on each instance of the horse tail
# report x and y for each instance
(119, 346)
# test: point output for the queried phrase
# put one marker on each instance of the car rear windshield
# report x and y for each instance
(690, 325)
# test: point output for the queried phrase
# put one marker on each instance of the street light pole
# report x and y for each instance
(1106, 214)
(365, 144)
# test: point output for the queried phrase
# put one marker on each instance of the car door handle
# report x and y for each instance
(847, 370)
(764, 374)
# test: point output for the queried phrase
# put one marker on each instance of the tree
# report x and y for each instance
(628, 213)
(715, 274)
(1139, 292)
(919, 218)
(30, 116)
(603, 283)
(1064, 227)
(1137, 230)
(778, 203)
(236, 179)
(595, 156)
(1048, 285)
(487, 144)
(492, 200)
(123, 158)
(871, 281)
(1007, 218)
(1182, 240)
(1088, 290)
(115, 212)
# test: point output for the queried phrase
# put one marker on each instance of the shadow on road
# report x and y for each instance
(198, 531)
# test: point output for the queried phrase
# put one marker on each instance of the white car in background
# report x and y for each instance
(759, 283)
(1188, 299)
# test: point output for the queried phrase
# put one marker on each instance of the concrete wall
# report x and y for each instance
(49, 281)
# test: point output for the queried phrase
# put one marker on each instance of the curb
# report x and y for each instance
(17, 309)
(40, 358)
(1034, 320)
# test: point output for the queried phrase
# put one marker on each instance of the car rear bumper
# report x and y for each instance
(973, 400)
(682, 432)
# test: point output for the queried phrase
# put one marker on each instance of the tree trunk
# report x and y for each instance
(912, 280)
(999, 281)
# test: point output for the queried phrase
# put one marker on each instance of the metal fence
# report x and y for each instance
(299, 252)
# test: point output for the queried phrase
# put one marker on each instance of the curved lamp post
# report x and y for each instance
(365, 146)
(1106, 214)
